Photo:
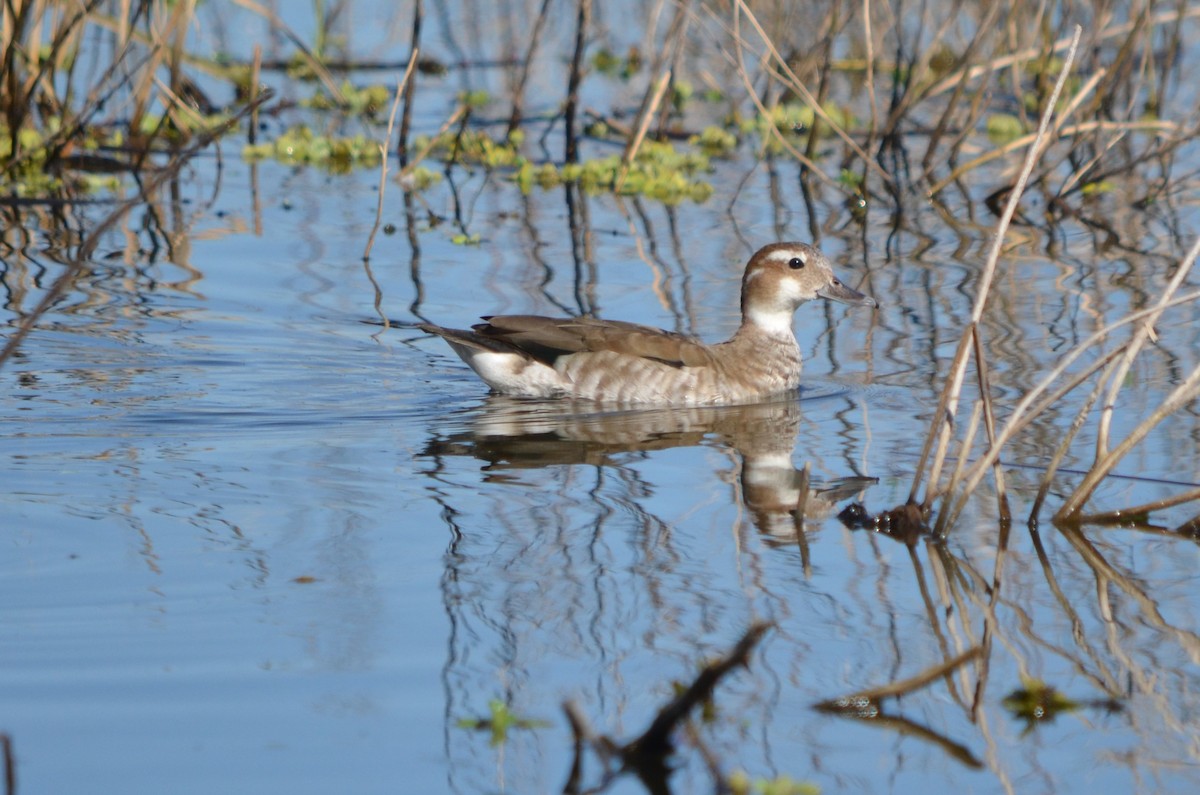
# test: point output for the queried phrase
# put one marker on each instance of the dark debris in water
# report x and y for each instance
(905, 523)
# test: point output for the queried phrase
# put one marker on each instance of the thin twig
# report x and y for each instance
(383, 152)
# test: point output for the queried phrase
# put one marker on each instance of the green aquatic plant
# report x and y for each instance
(715, 141)
(740, 783)
(300, 144)
(499, 721)
(369, 101)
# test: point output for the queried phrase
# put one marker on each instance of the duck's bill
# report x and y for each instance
(836, 291)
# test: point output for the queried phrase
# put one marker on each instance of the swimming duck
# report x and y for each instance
(612, 361)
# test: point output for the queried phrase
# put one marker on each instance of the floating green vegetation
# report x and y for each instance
(500, 721)
(369, 101)
(658, 172)
(32, 175)
(740, 783)
(1037, 702)
(715, 141)
(1004, 127)
(473, 147)
(791, 117)
(606, 62)
(300, 145)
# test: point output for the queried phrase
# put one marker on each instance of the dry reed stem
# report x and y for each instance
(964, 452)
(454, 118)
(796, 85)
(1064, 444)
(383, 156)
(639, 134)
(944, 421)
(1030, 53)
(1066, 132)
(1143, 332)
(1184, 393)
(989, 423)
(310, 60)
(1022, 414)
(972, 52)
(868, 38)
(910, 685)
(1109, 517)
(773, 131)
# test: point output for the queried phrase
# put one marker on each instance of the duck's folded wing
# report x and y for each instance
(547, 338)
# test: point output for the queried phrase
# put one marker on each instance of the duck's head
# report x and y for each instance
(781, 276)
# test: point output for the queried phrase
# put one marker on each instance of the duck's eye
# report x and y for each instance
(795, 263)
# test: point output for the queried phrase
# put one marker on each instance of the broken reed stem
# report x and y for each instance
(905, 686)
(869, 40)
(970, 55)
(1065, 443)
(1108, 517)
(454, 118)
(964, 453)
(943, 424)
(943, 416)
(310, 60)
(639, 134)
(1143, 332)
(383, 154)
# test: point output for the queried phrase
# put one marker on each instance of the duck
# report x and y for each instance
(620, 363)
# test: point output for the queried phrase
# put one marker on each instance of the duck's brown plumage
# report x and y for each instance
(620, 362)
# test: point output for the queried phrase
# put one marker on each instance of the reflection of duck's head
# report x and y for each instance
(624, 363)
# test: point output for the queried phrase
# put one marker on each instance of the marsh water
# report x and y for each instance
(256, 541)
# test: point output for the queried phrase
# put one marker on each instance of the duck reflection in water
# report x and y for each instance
(512, 434)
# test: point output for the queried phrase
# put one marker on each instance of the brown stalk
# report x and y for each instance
(971, 52)
(410, 87)
(809, 165)
(583, 19)
(964, 454)
(904, 686)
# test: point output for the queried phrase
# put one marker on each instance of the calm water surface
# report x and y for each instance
(256, 542)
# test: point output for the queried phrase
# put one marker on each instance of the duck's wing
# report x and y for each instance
(547, 338)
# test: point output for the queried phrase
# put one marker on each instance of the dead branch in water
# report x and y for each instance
(646, 756)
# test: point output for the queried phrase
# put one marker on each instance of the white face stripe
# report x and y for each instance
(786, 255)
